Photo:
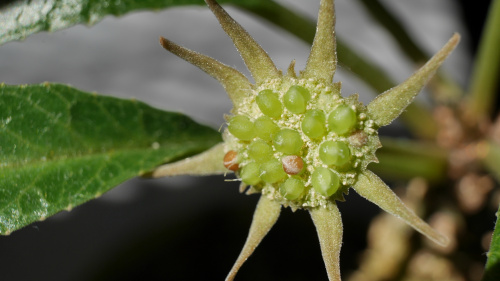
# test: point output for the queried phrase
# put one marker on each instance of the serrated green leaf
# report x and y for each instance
(22, 18)
(60, 147)
(492, 272)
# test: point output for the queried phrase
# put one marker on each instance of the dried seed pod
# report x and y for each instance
(231, 160)
(292, 164)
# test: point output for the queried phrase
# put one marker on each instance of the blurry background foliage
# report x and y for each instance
(192, 228)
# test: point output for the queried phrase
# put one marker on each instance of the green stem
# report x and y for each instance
(492, 158)
(392, 24)
(416, 117)
(402, 159)
(492, 270)
(444, 88)
(485, 73)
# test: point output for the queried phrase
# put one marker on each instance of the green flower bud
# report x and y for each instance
(269, 103)
(313, 124)
(342, 120)
(250, 173)
(260, 151)
(325, 181)
(334, 153)
(241, 127)
(265, 128)
(296, 99)
(292, 188)
(288, 141)
(272, 171)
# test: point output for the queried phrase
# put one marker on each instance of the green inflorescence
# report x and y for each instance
(306, 120)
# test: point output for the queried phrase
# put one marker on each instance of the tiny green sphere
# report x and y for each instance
(342, 120)
(269, 103)
(260, 151)
(325, 181)
(241, 127)
(313, 124)
(272, 171)
(265, 128)
(288, 141)
(250, 173)
(296, 99)
(334, 153)
(292, 188)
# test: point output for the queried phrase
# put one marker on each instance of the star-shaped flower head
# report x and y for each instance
(296, 140)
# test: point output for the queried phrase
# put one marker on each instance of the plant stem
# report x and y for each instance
(444, 89)
(485, 73)
(491, 157)
(406, 159)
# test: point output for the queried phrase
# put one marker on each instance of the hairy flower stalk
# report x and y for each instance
(296, 140)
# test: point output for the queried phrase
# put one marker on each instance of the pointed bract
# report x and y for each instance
(256, 59)
(329, 227)
(265, 216)
(291, 70)
(236, 84)
(206, 163)
(375, 190)
(389, 105)
(322, 61)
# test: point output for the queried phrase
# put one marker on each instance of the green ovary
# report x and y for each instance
(334, 153)
(260, 151)
(250, 173)
(342, 120)
(292, 188)
(269, 103)
(313, 124)
(325, 181)
(296, 99)
(241, 127)
(265, 128)
(272, 171)
(288, 141)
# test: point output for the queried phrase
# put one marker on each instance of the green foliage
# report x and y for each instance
(492, 272)
(61, 147)
(22, 18)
